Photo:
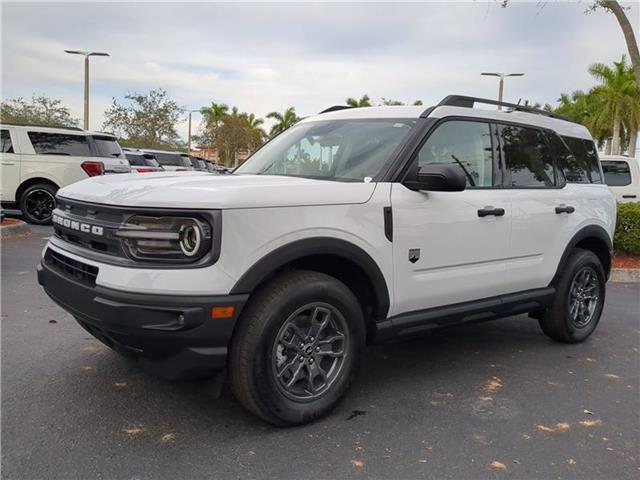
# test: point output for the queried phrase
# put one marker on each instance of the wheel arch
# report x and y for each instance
(593, 238)
(33, 181)
(338, 258)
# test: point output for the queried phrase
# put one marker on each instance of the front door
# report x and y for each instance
(9, 167)
(451, 247)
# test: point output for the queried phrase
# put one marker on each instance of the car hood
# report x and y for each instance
(205, 190)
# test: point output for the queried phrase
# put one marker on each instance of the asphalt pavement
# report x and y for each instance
(493, 400)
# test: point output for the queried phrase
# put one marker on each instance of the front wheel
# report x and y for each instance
(296, 348)
(37, 203)
(580, 293)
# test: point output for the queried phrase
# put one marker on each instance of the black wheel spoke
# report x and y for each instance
(583, 297)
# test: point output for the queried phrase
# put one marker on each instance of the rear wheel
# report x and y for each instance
(296, 348)
(37, 203)
(580, 294)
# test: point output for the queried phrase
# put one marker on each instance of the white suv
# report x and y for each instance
(353, 226)
(622, 175)
(35, 161)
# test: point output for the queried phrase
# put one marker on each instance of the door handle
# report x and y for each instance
(629, 196)
(565, 209)
(7, 163)
(486, 211)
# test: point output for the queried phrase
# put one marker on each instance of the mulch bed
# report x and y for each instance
(7, 222)
(625, 262)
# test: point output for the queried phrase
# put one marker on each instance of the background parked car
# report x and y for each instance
(142, 162)
(622, 175)
(171, 161)
(35, 161)
(215, 168)
(198, 163)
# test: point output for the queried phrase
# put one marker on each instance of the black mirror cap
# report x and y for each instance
(440, 177)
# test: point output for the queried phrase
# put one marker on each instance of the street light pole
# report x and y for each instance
(501, 84)
(189, 134)
(86, 79)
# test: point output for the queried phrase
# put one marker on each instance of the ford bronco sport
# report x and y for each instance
(353, 226)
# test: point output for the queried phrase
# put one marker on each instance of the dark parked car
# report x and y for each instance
(142, 162)
(171, 161)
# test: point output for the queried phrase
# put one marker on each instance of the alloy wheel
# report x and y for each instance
(584, 295)
(39, 204)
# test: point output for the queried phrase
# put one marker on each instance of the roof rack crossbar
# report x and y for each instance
(335, 108)
(37, 125)
(469, 102)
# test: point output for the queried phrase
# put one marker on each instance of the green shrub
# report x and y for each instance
(627, 237)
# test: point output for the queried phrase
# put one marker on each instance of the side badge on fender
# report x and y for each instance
(414, 255)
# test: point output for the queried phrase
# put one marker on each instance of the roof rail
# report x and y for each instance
(469, 102)
(335, 108)
(15, 124)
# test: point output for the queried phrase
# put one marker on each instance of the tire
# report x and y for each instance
(268, 341)
(37, 203)
(566, 322)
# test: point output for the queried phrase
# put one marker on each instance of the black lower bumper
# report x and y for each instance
(174, 336)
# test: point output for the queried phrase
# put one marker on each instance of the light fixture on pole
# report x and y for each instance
(86, 79)
(501, 76)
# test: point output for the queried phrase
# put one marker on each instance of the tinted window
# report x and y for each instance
(527, 157)
(583, 166)
(616, 173)
(150, 160)
(467, 144)
(135, 159)
(107, 146)
(339, 150)
(60, 144)
(173, 159)
(5, 142)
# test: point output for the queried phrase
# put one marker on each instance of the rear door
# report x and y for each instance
(543, 206)
(9, 166)
(55, 156)
(444, 251)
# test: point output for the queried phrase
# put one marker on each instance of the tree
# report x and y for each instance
(42, 110)
(212, 117)
(145, 120)
(364, 101)
(617, 99)
(283, 120)
(255, 133)
(387, 102)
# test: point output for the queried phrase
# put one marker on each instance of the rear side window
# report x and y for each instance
(583, 166)
(60, 144)
(107, 146)
(467, 144)
(616, 173)
(135, 159)
(5, 142)
(527, 157)
(172, 159)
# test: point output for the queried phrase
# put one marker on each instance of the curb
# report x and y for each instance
(15, 230)
(625, 275)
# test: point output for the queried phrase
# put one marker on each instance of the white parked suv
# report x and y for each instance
(353, 226)
(622, 175)
(36, 161)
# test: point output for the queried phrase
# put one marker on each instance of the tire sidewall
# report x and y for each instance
(579, 261)
(23, 198)
(335, 294)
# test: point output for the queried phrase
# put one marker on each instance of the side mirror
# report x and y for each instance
(439, 177)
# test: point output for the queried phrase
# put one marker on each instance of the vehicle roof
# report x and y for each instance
(156, 150)
(562, 127)
(615, 157)
(50, 129)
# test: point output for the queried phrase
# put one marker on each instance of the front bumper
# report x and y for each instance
(173, 336)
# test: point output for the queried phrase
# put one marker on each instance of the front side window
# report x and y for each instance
(107, 146)
(584, 166)
(527, 158)
(5, 142)
(616, 173)
(60, 144)
(339, 150)
(467, 144)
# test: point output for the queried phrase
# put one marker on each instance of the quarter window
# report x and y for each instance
(616, 173)
(5, 142)
(527, 157)
(60, 144)
(467, 144)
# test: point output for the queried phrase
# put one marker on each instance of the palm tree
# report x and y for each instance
(283, 120)
(617, 98)
(255, 132)
(365, 101)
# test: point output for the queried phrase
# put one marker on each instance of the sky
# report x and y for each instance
(263, 57)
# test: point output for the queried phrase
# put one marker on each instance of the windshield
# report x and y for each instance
(341, 150)
(107, 146)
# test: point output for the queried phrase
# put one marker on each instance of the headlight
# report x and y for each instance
(177, 239)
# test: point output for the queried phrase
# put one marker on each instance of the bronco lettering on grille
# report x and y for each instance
(78, 226)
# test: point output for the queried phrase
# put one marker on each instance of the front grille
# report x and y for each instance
(74, 269)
